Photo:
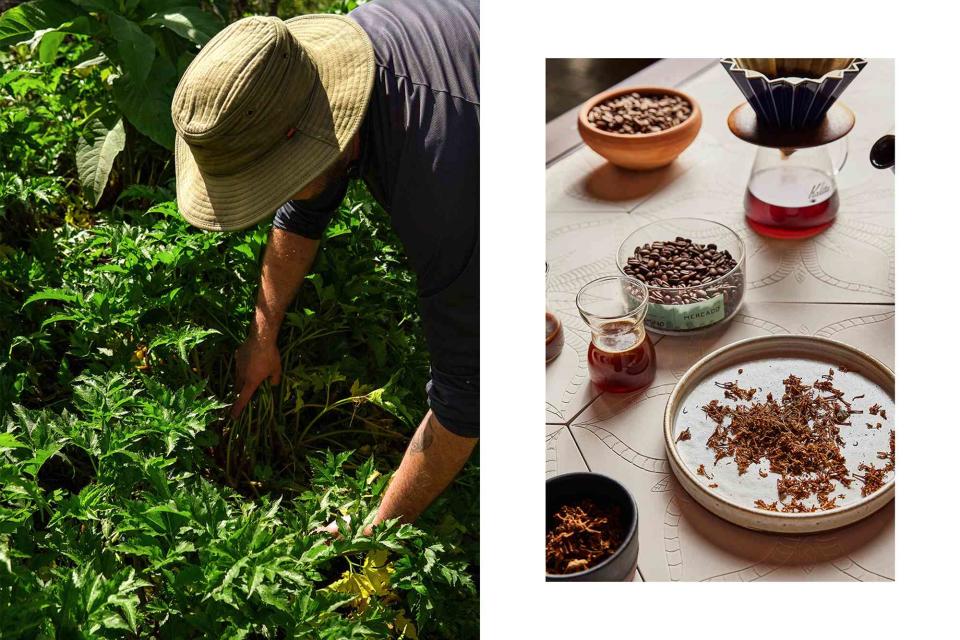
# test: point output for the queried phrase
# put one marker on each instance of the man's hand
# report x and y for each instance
(285, 263)
(257, 359)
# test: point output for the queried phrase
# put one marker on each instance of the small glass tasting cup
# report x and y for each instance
(621, 357)
(554, 331)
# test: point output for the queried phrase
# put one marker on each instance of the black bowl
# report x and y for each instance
(572, 487)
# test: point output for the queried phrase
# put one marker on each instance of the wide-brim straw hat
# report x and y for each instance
(265, 107)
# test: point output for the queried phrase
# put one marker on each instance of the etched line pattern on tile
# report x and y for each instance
(858, 572)
(831, 330)
(787, 264)
(663, 485)
(551, 464)
(805, 553)
(671, 539)
(576, 376)
(571, 280)
(876, 236)
(574, 227)
(622, 449)
(811, 261)
(619, 403)
(779, 555)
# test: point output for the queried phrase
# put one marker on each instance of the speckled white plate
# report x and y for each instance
(766, 362)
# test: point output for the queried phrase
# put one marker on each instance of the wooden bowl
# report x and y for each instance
(642, 151)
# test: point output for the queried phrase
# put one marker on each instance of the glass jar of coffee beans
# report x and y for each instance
(694, 270)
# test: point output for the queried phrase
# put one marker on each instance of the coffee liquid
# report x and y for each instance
(554, 336)
(791, 202)
(621, 359)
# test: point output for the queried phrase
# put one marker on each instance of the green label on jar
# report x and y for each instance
(681, 317)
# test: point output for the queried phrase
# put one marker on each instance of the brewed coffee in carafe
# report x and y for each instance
(792, 193)
(794, 118)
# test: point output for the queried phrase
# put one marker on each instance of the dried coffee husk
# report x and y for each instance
(799, 435)
(582, 535)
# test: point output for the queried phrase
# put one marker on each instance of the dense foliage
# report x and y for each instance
(129, 505)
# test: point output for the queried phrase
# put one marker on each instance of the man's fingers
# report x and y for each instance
(242, 399)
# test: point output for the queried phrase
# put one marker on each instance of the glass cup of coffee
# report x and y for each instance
(620, 357)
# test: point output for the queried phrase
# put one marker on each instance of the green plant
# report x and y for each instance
(129, 505)
(143, 45)
(149, 42)
(113, 517)
(42, 108)
(136, 543)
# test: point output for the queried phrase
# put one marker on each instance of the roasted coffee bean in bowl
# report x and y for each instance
(640, 127)
(694, 270)
(640, 113)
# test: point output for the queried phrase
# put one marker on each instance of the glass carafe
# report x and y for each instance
(621, 356)
(792, 193)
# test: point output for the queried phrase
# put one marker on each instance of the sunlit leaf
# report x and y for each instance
(95, 158)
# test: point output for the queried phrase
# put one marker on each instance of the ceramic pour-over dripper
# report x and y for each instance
(792, 93)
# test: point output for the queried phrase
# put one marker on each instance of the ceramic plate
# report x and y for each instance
(763, 363)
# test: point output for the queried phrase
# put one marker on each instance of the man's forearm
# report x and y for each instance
(433, 458)
(286, 262)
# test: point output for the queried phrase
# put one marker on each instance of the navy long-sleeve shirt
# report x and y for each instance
(420, 158)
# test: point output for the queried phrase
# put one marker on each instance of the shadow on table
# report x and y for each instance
(611, 183)
(764, 553)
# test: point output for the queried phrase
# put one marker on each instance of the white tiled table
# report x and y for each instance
(839, 284)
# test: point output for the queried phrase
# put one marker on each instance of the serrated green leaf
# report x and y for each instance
(52, 294)
(57, 317)
(9, 441)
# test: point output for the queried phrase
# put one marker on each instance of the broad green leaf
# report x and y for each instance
(95, 159)
(85, 25)
(21, 22)
(106, 6)
(137, 49)
(150, 7)
(147, 106)
(49, 45)
(192, 23)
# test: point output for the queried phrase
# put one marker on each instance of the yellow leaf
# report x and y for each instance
(354, 584)
(373, 579)
(405, 628)
(377, 571)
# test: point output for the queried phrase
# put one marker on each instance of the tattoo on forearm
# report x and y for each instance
(423, 438)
